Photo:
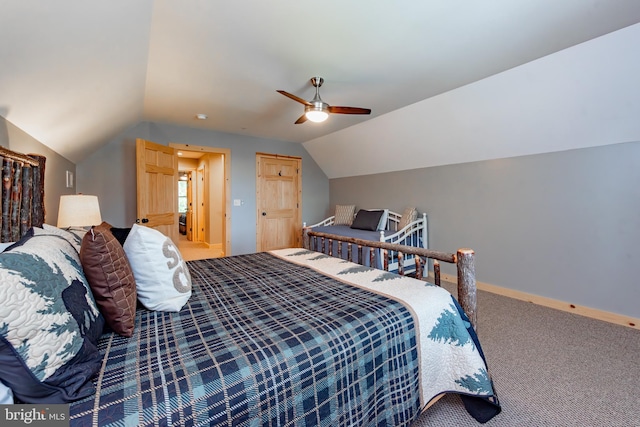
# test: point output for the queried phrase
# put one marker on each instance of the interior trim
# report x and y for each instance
(593, 313)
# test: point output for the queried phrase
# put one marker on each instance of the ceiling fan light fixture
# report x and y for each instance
(316, 114)
(317, 110)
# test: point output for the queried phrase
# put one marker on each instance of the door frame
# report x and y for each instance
(226, 152)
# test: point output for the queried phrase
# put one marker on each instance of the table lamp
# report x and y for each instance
(78, 210)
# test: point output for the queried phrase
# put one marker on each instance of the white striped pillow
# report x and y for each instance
(408, 216)
(344, 214)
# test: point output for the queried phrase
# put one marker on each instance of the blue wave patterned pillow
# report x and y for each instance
(49, 322)
(73, 235)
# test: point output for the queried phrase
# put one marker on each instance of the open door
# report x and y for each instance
(157, 187)
(190, 200)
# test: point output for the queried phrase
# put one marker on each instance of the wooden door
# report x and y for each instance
(201, 205)
(189, 205)
(157, 187)
(278, 200)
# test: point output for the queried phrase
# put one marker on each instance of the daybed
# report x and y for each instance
(289, 337)
(374, 225)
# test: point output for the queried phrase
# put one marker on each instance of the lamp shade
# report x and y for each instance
(78, 210)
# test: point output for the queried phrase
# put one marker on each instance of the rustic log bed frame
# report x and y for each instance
(463, 258)
(22, 193)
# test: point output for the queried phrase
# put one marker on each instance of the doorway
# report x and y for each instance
(203, 201)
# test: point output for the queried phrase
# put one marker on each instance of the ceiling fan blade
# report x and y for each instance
(349, 110)
(301, 119)
(295, 98)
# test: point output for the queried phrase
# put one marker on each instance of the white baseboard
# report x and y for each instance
(552, 303)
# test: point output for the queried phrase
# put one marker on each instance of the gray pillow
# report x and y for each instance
(367, 220)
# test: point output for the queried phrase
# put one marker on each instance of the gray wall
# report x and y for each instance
(56, 166)
(562, 225)
(109, 173)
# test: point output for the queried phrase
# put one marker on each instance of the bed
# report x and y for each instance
(287, 337)
(373, 225)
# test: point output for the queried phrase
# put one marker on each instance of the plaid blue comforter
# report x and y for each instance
(263, 342)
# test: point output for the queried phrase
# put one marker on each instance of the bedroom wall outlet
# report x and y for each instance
(69, 179)
(237, 202)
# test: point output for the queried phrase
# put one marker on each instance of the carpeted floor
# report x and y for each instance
(551, 368)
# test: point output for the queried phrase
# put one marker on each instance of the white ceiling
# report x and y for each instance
(74, 73)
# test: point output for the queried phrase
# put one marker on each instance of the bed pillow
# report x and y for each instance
(5, 245)
(120, 234)
(109, 274)
(6, 395)
(163, 281)
(344, 214)
(367, 220)
(382, 225)
(72, 235)
(408, 216)
(49, 322)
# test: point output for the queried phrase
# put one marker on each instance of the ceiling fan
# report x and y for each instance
(317, 110)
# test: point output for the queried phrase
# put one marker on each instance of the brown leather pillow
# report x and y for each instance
(109, 274)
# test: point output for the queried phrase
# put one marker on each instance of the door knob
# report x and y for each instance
(264, 214)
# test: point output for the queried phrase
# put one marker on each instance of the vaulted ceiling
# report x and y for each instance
(73, 73)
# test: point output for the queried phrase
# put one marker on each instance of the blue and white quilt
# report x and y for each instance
(270, 339)
(451, 358)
